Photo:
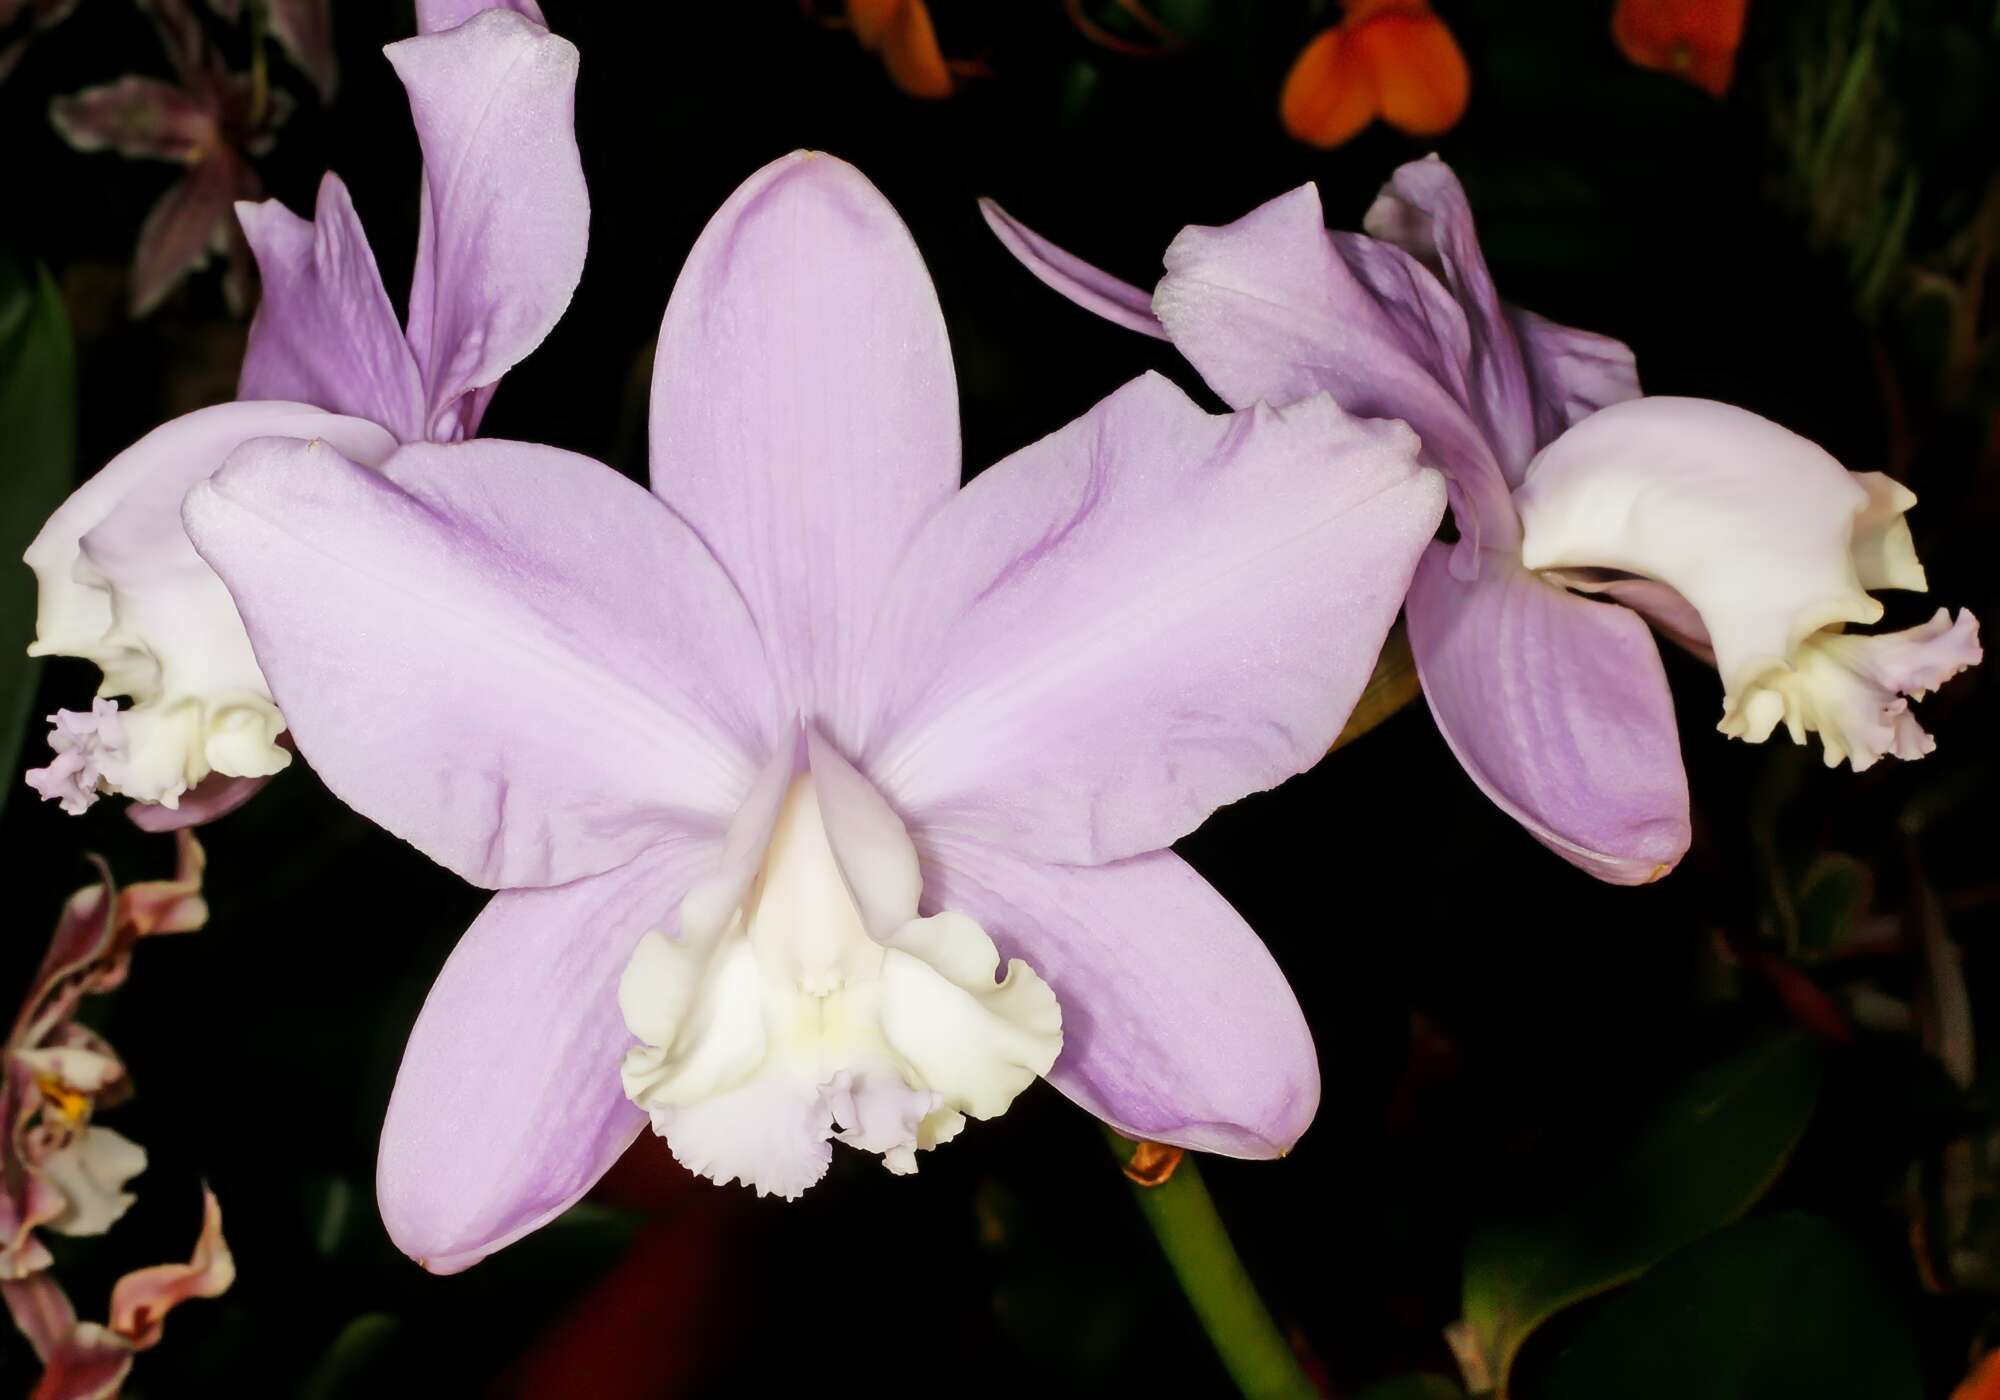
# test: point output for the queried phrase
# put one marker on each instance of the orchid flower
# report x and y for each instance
(776, 766)
(1392, 59)
(209, 121)
(500, 247)
(63, 1172)
(60, 1170)
(1732, 535)
(90, 1360)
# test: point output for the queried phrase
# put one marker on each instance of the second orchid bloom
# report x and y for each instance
(777, 766)
(500, 246)
(1735, 537)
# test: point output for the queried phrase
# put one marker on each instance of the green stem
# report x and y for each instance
(1218, 1287)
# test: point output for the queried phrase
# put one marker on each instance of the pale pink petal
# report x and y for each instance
(1178, 1026)
(1672, 616)
(505, 216)
(1423, 210)
(1119, 302)
(805, 418)
(325, 332)
(1274, 308)
(508, 655)
(1558, 708)
(436, 15)
(1146, 615)
(1571, 373)
(215, 796)
(509, 1104)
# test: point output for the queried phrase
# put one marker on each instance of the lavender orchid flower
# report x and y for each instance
(500, 248)
(1740, 540)
(774, 765)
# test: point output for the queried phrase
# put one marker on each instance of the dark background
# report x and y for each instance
(1490, 1021)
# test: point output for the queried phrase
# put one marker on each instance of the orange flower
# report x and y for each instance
(1391, 59)
(1692, 39)
(1984, 1382)
(901, 31)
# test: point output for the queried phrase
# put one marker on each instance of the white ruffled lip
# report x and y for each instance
(1773, 545)
(781, 1024)
(119, 584)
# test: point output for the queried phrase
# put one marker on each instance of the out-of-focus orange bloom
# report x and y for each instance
(1692, 39)
(901, 31)
(1983, 1383)
(1391, 59)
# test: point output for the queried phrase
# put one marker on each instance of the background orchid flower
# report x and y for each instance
(775, 765)
(1733, 535)
(90, 1360)
(500, 247)
(60, 1170)
(211, 121)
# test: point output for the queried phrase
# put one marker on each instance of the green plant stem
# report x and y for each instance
(1218, 1287)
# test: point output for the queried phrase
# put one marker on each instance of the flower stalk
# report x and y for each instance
(1181, 1215)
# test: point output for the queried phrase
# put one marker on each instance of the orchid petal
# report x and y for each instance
(214, 797)
(91, 1172)
(1672, 616)
(325, 332)
(1751, 523)
(190, 220)
(141, 1300)
(505, 216)
(1571, 373)
(119, 584)
(1558, 708)
(804, 416)
(434, 16)
(1423, 210)
(1144, 616)
(1177, 1025)
(1773, 544)
(1273, 308)
(508, 1106)
(508, 655)
(1121, 303)
(870, 844)
(139, 118)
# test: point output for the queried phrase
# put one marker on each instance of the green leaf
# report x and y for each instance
(1703, 1155)
(1781, 1307)
(37, 454)
(360, 1361)
(1833, 899)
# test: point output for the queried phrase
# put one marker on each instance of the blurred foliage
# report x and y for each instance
(37, 460)
(1522, 1102)
(1782, 1307)
(1704, 1154)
